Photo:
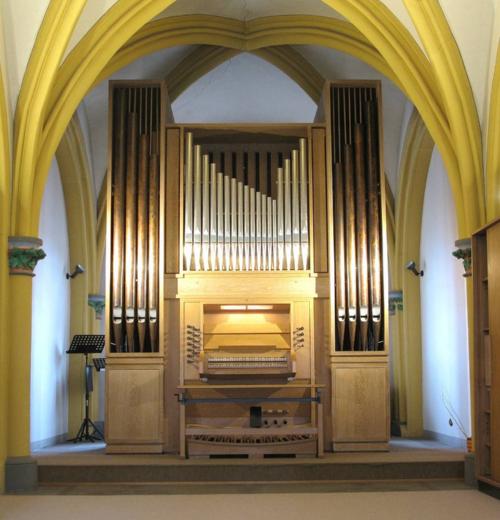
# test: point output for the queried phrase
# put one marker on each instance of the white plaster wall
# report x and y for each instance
(244, 88)
(332, 64)
(50, 320)
(445, 366)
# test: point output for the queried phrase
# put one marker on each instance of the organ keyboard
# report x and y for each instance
(230, 364)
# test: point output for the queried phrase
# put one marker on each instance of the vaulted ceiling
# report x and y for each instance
(241, 86)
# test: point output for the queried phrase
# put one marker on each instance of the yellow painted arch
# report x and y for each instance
(50, 44)
(458, 100)
(493, 156)
(381, 27)
(4, 274)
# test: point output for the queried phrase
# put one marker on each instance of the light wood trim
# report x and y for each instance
(172, 201)
(319, 200)
(203, 386)
(493, 254)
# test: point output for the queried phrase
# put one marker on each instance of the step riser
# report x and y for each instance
(250, 473)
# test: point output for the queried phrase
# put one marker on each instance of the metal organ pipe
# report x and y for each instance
(118, 209)
(213, 219)
(188, 196)
(197, 208)
(288, 218)
(131, 231)
(231, 224)
(142, 226)
(304, 223)
(295, 210)
(205, 221)
(134, 255)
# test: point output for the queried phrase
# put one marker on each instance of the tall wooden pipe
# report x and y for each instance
(154, 188)
(362, 237)
(340, 259)
(131, 231)
(374, 230)
(118, 181)
(142, 239)
(350, 211)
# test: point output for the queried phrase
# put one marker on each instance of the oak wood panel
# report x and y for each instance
(172, 201)
(320, 216)
(360, 395)
(493, 241)
(135, 411)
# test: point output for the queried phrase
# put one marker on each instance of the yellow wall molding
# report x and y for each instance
(77, 73)
(493, 152)
(50, 44)
(394, 42)
(390, 49)
(76, 179)
(407, 342)
(456, 92)
(4, 273)
(246, 36)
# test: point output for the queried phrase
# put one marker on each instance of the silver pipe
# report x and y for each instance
(258, 232)
(205, 221)
(304, 222)
(280, 213)
(220, 221)
(234, 225)
(295, 210)
(213, 218)
(263, 209)
(246, 216)
(188, 201)
(197, 208)
(252, 229)
(227, 222)
(241, 232)
(275, 234)
(270, 264)
(288, 221)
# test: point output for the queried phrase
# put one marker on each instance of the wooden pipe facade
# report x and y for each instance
(246, 262)
(358, 275)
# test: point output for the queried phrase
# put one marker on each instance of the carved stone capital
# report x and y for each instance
(24, 254)
(96, 301)
(464, 253)
(395, 302)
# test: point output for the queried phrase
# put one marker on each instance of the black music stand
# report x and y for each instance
(87, 344)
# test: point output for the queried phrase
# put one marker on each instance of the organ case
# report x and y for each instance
(134, 292)
(358, 259)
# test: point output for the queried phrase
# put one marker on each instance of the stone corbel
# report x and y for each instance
(395, 302)
(96, 301)
(464, 253)
(24, 254)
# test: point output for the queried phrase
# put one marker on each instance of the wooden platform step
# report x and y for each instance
(221, 470)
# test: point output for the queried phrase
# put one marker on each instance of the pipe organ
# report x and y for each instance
(246, 280)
